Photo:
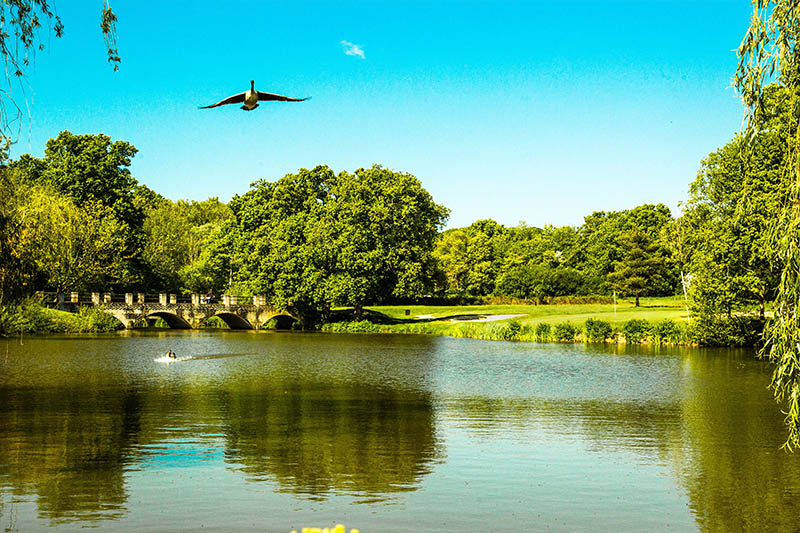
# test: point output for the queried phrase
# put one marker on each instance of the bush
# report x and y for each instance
(543, 332)
(728, 331)
(636, 330)
(30, 317)
(565, 332)
(511, 330)
(27, 317)
(97, 320)
(361, 326)
(597, 330)
(667, 331)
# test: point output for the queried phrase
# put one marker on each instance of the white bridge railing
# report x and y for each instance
(130, 298)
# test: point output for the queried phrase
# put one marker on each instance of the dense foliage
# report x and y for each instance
(768, 54)
(625, 251)
(316, 239)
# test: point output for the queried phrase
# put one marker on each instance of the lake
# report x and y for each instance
(278, 430)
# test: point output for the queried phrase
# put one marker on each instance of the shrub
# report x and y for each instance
(597, 330)
(667, 331)
(26, 317)
(543, 332)
(732, 331)
(361, 326)
(97, 320)
(565, 332)
(30, 317)
(511, 330)
(636, 330)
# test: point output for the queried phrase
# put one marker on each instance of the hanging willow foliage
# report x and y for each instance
(770, 53)
(21, 24)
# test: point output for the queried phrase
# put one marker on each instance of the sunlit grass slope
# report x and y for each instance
(650, 309)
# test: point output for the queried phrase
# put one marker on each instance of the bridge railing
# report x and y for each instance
(101, 298)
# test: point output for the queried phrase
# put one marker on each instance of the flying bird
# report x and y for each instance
(251, 97)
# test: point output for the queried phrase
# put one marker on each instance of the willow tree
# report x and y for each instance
(21, 36)
(770, 52)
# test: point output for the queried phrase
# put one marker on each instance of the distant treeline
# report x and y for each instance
(77, 220)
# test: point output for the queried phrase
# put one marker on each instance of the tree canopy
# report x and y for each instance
(769, 53)
(316, 239)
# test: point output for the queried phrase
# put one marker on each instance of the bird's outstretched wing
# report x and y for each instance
(235, 99)
(270, 96)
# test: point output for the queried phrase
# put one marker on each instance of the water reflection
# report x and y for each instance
(317, 418)
(735, 474)
(60, 446)
(314, 439)
(78, 417)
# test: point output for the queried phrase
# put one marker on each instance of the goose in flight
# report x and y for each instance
(251, 97)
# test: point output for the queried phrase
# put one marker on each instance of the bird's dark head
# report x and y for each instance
(252, 83)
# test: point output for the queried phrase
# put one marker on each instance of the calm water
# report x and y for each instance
(277, 431)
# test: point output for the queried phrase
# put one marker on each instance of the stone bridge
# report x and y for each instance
(184, 312)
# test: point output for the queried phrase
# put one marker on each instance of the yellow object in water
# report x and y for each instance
(338, 528)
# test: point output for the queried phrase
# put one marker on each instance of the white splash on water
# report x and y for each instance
(165, 359)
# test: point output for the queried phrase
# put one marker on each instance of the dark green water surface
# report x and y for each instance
(277, 431)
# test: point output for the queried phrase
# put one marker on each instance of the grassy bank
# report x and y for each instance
(656, 321)
(31, 318)
(650, 309)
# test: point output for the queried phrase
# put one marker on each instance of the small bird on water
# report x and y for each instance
(251, 97)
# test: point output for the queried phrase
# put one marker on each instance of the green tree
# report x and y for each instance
(175, 235)
(92, 171)
(603, 245)
(74, 248)
(728, 217)
(769, 52)
(384, 229)
(313, 239)
(640, 268)
(472, 257)
(13, 258)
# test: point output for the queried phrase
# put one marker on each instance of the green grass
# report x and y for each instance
(651, 309)
(30, 317)
(539, 323)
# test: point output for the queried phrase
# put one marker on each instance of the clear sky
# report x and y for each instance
(533, 111)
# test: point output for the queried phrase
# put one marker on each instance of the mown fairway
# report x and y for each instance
(651, 309)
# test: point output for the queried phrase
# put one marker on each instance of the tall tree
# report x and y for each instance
(386, 226)
(76, 248)
(641, 266)
(91, 170)
(472, 257)
(13, 256)
(728, 217)
(769, 51)
(315, 239)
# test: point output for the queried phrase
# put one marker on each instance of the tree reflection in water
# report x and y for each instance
(59, 446)
(317, 439)
(77, 422)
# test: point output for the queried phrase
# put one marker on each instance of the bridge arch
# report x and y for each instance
(172, 320)
(233, 320)
(281, 321)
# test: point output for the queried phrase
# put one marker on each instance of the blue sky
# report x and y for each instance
(540, 112)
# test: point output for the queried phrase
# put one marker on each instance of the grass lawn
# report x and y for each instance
(651, 309)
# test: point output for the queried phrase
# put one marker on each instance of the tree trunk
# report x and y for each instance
(637, 300)
(685, 296)
(358, 309)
